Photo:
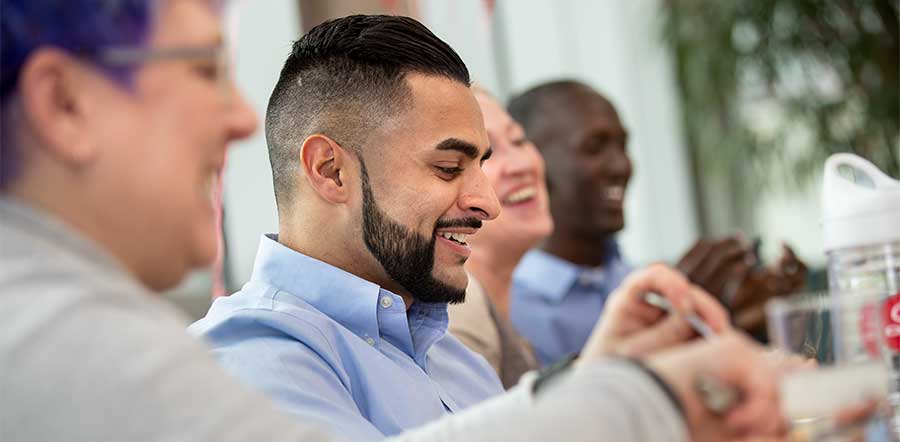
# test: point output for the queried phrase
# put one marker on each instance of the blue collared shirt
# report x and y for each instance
(334, 348)
(555, 304)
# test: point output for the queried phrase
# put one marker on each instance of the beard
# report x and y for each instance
(406, 256)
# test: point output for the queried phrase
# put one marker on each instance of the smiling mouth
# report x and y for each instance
(459, 238)
(520, 196)
(615, 193)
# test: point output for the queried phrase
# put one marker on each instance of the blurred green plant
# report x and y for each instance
(770, 88)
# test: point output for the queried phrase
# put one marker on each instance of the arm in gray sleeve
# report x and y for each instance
(604, 401)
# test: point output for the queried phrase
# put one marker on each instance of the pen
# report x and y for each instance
(716, 395)
(701, 327)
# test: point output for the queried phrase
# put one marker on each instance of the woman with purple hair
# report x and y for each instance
(116, 117)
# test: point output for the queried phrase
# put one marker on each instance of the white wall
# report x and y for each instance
(267, 30)
(615, 47)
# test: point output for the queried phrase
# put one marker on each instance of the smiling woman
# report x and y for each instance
(516, 173)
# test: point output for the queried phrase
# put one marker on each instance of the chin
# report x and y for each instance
(165, 279)
(206, 247)
(456, 278)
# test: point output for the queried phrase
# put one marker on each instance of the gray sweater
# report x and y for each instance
(88, 354)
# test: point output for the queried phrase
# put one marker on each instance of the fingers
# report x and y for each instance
(689, 263)
(856, 413)
(710, 310)
(661, 279)
(751, 318)
(750, 372)
(684, 296)
(721, 255)
(734, 361)
(725, 283)
(669, 332)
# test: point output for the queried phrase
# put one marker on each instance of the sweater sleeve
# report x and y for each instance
(606, 401)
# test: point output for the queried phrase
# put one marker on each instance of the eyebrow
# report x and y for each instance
(466, 148)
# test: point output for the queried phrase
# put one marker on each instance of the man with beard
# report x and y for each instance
(376, 145)
(111, 95)
(560, 288)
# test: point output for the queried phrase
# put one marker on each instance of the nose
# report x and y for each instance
(478, 198)
(619, 164)
(242, 119)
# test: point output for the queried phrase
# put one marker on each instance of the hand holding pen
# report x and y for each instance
(631, 327)
(725, 385)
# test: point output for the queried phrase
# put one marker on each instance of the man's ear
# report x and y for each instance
(324, 163)
(56, 105)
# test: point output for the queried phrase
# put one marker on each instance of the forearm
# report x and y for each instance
(603, 401)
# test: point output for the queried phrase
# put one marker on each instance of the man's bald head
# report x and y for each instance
(546, 111)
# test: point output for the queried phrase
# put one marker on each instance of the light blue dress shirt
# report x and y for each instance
(334, 348)
(555, 304)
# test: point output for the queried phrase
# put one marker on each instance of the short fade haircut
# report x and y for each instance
(539, 108)
(80, 27)
(343, 79)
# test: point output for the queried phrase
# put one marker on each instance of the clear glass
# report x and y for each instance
(807, 325)
(866, 272)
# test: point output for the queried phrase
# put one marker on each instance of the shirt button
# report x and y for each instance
(370, 341)
(386, 301)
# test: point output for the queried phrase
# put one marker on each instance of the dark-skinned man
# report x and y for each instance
(560, 289)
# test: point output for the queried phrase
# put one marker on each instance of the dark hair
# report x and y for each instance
(343, 79)
(537, 108)
(81, 27)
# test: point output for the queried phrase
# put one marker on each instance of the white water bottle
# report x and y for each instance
(861, 227)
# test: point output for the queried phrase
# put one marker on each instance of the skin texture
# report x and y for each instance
(132, 169)
(515, 167)
(419, 178)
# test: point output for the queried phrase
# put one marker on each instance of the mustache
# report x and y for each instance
(472, 222)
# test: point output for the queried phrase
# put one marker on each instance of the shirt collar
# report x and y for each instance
(553, 278)
(363, 307)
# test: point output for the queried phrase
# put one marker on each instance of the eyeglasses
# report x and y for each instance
(129, 56)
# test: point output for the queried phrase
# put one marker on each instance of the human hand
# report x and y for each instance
(747, 304)
(631, 327)
(747, 369)
(718, 265)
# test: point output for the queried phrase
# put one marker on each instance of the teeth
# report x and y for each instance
(458, 237)
(615, 193)
(521, 195)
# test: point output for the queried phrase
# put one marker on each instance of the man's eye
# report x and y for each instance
(449, 173)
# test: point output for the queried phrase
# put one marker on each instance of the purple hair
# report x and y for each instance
(81, 27)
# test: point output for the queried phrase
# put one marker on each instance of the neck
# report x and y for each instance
(495, 271)
(588, 252)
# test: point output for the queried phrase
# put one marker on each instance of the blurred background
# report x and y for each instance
(732, 106)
